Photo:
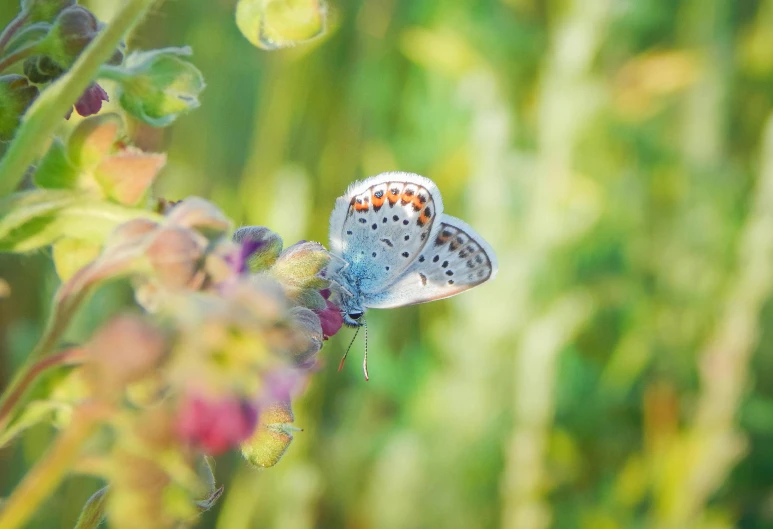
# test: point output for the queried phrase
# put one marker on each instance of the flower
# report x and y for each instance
(90, 102)
(330, 317)
(215, 425)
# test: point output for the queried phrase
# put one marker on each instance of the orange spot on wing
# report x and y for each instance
(377, 202)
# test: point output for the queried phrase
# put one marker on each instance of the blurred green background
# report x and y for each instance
(618, 156)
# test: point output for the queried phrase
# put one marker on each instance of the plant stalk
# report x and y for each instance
(10, 30)
(48, 473)
(46, 112)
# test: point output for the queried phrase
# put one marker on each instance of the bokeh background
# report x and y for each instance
(617, 154)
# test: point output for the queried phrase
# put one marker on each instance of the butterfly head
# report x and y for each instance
(353, 316)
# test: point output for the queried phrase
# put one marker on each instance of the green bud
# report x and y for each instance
(157, 86)
(73, 30)
(300, 265)
(41, 69)
(44, 10)
(273, 436)
(267, 253)
(16, 95)
(272, 24)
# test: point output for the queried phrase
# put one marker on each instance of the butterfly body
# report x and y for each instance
(394, 246)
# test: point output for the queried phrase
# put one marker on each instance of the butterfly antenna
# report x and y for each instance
(365, 360)
(341, 365)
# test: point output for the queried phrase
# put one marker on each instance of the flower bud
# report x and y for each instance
(123, 351)
(41, 69)
(306, 337)
(273, 436)
(201, 215)
(16, 95)
(158, 86)
(300, 265)
(44, 10)
(264, 254)
(175, 255)
(272, 24)
(74, 28)
(90, 101)
(215, 425)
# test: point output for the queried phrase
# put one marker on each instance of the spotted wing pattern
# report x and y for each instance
(454, 260)
(381, 225)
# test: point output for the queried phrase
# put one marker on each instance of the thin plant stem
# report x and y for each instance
(46, 475)
(18, 55)
(29, 376)
(46, 113)
(10, 30)
(61, 314)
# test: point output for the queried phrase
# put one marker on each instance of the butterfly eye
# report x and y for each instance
(355, 315)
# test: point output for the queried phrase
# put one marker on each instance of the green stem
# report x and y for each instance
(46, 113)
(18, 55)
(48, 473)
(28, 376)
(10, 30)
(63, 310)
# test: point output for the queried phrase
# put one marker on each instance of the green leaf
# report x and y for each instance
(70, 255)
(32, 219)
(55, 170)
(34, 413)
(94, 511)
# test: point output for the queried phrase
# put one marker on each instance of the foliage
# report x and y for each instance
(616, 155)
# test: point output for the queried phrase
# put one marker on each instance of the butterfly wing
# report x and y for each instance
(381, 225)
(455, 259)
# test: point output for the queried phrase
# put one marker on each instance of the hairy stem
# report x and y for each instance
(10, 30)
(48, 473)
(28, 376)
(46, 113)
(18, 55)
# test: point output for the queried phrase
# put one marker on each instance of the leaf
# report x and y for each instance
(34, 413)
(94, 139)
(55, 170)
(125, 177)
(93, 511)
(70, 255)
(33, 219)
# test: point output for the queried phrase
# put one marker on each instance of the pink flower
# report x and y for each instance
(216, 426)
(330, 317)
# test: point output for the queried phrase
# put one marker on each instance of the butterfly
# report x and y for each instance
(395, 247)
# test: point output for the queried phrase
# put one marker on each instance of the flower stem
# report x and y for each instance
(46, 112)
(28, 376)
(11, 29)
(46, 475)
(18, 55)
